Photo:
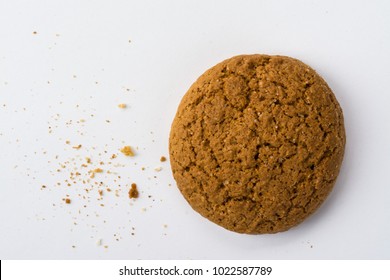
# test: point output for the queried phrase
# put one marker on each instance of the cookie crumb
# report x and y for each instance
(122, 106)
(133, 192)
(127, 151)
(35, 33)
(67, 200)
(77, 147)
(163, 159)
(158, 169)
(99, 242)
(97, 170)
(94, 171)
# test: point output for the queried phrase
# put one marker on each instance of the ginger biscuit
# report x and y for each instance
(257, 143)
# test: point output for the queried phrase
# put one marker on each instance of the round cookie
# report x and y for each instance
(257, 143)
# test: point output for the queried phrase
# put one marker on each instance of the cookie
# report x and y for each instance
(257, 143)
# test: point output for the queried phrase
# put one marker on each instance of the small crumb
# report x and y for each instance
(77, 147)
(67, 200)
(113, 156)
(67, 142)
(99, 242)
(163, 159)
(122, 106)
(88, 159)
(127, 151)
(94, 171)
(158, 169)
(100, 192)
(35, 33)
(133, 192)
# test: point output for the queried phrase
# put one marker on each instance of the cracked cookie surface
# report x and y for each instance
(257, 143)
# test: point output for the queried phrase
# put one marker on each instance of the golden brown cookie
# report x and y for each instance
(257, 143)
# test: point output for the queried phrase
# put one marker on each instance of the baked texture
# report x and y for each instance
(257, 143)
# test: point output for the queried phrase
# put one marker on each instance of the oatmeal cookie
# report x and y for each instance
(257, 143)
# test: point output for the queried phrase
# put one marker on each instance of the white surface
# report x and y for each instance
(172, 43)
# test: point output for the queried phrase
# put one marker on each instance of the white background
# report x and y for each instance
(88, 56)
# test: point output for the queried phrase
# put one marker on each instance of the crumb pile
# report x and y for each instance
(93, 178)
(91, 174)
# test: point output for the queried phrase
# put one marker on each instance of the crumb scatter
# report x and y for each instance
(91, 180)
